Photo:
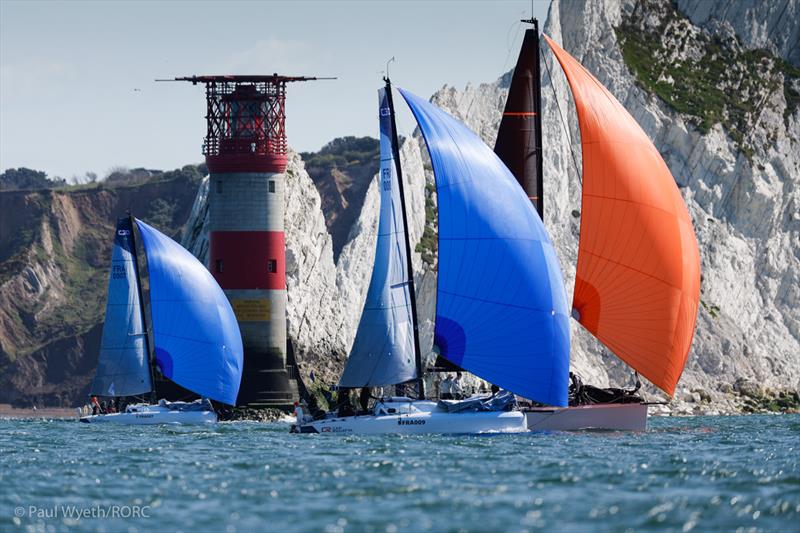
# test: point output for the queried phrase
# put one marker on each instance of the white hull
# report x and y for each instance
(614, 417)
(415, 418)
(148, 415)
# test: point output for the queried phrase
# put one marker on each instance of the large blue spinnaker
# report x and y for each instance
(383, 350)
(501, 310)
(123, 368)
(197, 340)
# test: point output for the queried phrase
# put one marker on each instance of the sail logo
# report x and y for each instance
(123, 232)
(385, 112)
(118, 272)
(410, 422)
(386, 179)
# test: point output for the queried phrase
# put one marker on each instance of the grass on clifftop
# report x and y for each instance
(343, 152)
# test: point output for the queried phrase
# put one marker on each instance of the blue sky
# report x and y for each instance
(69, 71)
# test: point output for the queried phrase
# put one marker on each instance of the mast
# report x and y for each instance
(412, 292)
(519, 137)
(145, 322)
(537, 119)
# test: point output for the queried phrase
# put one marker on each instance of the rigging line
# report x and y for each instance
(515, 27)
(561, 117)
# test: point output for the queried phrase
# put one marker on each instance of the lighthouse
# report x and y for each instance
(245, 151)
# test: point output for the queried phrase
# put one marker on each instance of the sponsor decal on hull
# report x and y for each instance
(335, 429)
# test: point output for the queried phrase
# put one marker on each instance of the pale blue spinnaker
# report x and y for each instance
(123, 367)
(383, 350)
(197, 340)
(501, 310)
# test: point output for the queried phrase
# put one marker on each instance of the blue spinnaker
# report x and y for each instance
(123, 368)
(383, 350)
(501, 310)
(197, 340)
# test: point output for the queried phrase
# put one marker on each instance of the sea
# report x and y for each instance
(736, 473)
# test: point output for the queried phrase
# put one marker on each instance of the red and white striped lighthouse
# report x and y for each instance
(245, 149)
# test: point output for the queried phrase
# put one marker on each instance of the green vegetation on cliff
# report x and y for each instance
(344, 152)
(342, 171)
(14, 179)
(26, 179)
(712, 79)
(428, 244)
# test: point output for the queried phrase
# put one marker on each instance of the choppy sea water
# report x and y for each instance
(721, 473)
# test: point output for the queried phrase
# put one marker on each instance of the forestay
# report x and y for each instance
(383, 350)
(501, 310)
(123, 366)
(196, 336)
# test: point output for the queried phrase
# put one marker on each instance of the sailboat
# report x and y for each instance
(637, 285)
(501, 308)
(193, 338)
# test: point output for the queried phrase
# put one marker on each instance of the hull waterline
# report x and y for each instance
(417, 418)
(610, 417)
(153, 415)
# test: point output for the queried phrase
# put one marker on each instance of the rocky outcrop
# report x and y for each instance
(769, 25)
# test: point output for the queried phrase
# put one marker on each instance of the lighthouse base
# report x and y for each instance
(268, 388)
(267, 382)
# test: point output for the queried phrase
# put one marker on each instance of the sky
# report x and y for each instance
(77, 89)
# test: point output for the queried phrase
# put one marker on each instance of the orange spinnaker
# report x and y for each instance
(637, 285)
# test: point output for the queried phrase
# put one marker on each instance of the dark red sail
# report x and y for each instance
(519, 138)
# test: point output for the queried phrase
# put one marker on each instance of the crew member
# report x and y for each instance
(363, 398)
(456, 389)
(345, 406)
(446, 388)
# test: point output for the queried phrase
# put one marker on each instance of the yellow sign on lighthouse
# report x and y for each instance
(251, 310)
